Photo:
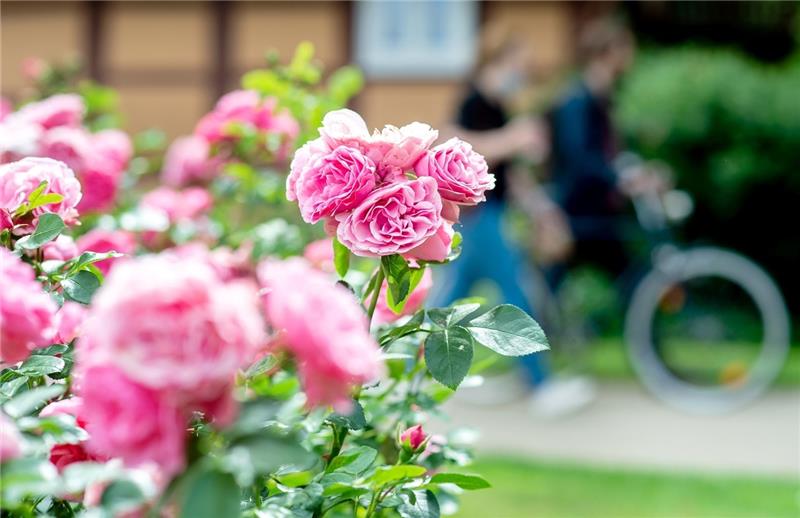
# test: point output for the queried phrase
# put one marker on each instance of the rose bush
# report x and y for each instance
(176, 354)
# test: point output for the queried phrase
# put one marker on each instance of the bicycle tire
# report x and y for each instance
(681, 266)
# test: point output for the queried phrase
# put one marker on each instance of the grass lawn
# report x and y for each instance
(607, 358)
(529, 489)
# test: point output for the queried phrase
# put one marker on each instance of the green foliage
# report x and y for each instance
(47, 229)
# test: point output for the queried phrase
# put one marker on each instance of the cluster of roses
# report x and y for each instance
(54, 127)
(166, 334)
(389, 192)
(199, 158)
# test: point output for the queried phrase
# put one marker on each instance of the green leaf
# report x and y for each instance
(87, 258)
(268, 452)
(47, 229)
(32, 197)
(27, 476)
(211, 494)
(341, 258)
(81, 286)
(355, 420)
(389, 474)
(461, 480)
(408, 328)
(401, 281)
(39, 365)
(509, 331)
(446, 317)
(28, 401)
(46, 199)
(448, 355)
(354, 460)
(423, 505)
(296, 478)
(122, 496)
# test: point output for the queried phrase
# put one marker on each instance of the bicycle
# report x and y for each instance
(701, 290)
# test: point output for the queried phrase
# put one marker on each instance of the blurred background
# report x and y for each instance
(687, 407)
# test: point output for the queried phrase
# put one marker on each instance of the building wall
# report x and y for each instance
(169, 60)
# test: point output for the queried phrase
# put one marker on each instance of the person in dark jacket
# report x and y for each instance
(584, 145)
(487, 254)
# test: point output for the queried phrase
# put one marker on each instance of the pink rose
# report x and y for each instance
(462, 173)
(285, 125)
(239, 106)
(101, 241)
(320, 254)
(384, 315)
(303, 157)
(435, 248)
(397, 149)
(394, 219)
(130, 421)
(169, 323)
(10, 439)
(62, 248)
(71, 145)
(99, 188)
(26, 312)
(19, 179)
(413, 438)
(226, 263)
(334, 183)
(325, 328)
(114, 146)
(68, 321)
(345, 128)
(18, 139)
(184, 205)
(188, 160)
(34, 68)
(58, 110)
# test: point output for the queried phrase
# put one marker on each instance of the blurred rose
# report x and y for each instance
(10, 439)
(332, 344)
(68, 321)
(114, 146)
(171, 324)
(129, 421)
(57, 110)
(188, 161)
(62, 248)
(320, 254)
(27, 318)
(187, 204)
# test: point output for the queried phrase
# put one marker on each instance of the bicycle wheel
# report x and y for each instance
(707, 330)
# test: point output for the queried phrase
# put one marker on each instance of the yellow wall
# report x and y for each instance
(160, 55)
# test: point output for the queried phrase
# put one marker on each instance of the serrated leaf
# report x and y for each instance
(28, 401)
(341, 258)
(40, 365)
(388, 474)
(446, 317)
(81, 286)
(448, 355)
(48, 228)
(509, 331)
(423, 505)
(462, 480)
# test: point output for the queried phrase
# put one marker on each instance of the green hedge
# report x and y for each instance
(730, 128)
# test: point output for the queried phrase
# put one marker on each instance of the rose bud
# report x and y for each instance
(413, 439)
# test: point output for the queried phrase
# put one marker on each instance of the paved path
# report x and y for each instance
(625, 427)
